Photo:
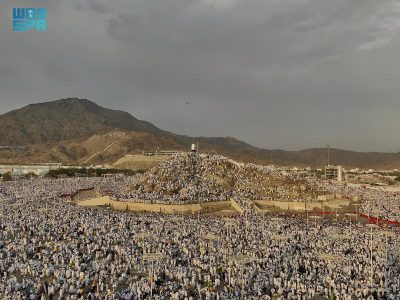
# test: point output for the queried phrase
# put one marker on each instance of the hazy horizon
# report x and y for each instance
(276, 74)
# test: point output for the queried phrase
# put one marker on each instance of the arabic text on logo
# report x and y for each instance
(27, 19)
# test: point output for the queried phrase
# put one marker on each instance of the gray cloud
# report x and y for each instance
(278, 74)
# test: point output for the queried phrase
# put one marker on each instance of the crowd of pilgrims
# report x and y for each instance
(378, 202)
(53, 249)
(369, 178)
(192, 177)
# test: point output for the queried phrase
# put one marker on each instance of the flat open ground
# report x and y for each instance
(139, 161)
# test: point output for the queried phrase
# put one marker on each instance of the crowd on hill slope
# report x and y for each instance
(192, 178)
(376, 202)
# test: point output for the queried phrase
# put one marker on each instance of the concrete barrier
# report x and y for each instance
(236, 206)
(301, 206)
(160, 208)
(100, 201)
(327, 197)
(373, 220)
(256, 207)
(215, 206)
(208, 207)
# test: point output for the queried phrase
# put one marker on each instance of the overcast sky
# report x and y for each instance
(287, 74)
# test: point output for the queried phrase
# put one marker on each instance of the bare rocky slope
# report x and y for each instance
(80, 131)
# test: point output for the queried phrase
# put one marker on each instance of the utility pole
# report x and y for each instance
(328, 146)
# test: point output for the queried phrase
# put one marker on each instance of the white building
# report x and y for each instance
(334, 172)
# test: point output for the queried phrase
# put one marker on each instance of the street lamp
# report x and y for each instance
(141, 236)
(328, 146)
(315, 219)
(228, 223)
(387, 234)
(357, 205)
(350, 215)
(371, 226)
(152, 257)
(306, 207)
(209, 237)
(242, 259)
(331, 258)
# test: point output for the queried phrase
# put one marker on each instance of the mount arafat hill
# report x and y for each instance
(73, 131)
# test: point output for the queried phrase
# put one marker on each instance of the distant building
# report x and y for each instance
(334, 172)
(161, 153)
(167, 152)
(300, 173)
(149, 153)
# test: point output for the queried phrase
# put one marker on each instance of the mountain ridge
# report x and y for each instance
(71, 130)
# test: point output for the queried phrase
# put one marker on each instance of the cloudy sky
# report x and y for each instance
(286, 74)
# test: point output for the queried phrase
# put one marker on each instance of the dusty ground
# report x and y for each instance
(138, 161)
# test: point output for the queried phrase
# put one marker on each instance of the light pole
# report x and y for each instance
(152, 257)
(271, 158)
(350, 215)
(315, 219)
(328, 146)
(142, 236)
(387, 234)
(371, 226)
(357, 205)
(209, 237)
(228, 223)
(306, 208)
(242, 259)
(370, 205)
(331, 258)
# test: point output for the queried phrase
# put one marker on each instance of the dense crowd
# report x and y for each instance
(192, 178)
(379, 202)
(53, 249)
(48, 188)
(369, 178)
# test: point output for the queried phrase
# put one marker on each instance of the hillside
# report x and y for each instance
(62, 120)
(80, 131)
(189, 178)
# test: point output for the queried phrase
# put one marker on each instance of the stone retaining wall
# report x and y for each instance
(209, 206)
(285, 205)
(161, 208)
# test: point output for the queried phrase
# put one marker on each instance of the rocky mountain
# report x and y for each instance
(62, 120)
(80, 131)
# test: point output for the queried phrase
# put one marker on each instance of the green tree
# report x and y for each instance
(7, 176)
